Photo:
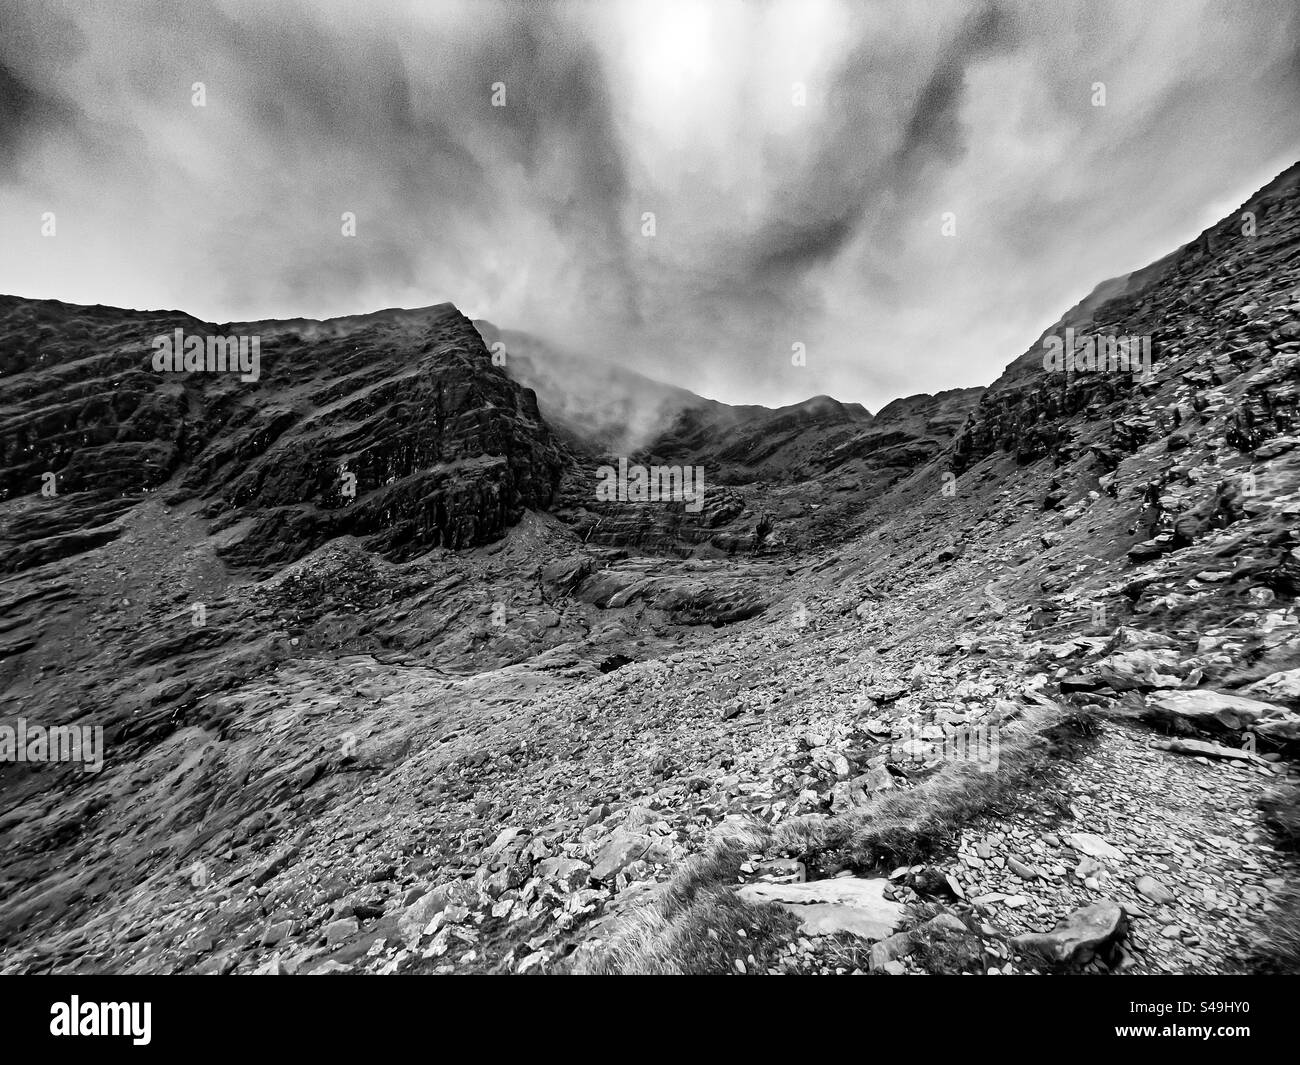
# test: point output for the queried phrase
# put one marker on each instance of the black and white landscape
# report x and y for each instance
(800, 487)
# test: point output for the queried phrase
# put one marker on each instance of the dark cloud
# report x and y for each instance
(934, 128)
(20, 108)
(34, 43)
(817, 216)
(776, 224)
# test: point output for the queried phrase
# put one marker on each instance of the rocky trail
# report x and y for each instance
(1178, 841)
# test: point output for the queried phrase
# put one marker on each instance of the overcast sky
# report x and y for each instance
(774, 223)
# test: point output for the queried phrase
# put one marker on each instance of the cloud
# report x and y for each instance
(798, 156)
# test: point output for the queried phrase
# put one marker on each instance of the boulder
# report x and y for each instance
(1211, 710)
(506, 839)
(899, 945)
(569, 873)
(620, 851)
(1139, 669)
(416, 916)
(1148, 549)
(273, 966)
(1281, 688)
(1128, 638)
(1079, 937)
(856, 793)
(1280, 731)
(1204, 749)
(338, 931)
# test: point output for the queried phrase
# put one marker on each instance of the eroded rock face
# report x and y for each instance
(778, 482)
(392, 427)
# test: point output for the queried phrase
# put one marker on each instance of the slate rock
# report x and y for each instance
(824, 907)
(1079, 937)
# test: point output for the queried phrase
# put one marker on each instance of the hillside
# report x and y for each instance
(455, 713)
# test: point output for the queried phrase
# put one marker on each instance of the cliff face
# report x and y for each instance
(393, 427)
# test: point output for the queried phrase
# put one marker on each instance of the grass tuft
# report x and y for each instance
(1281, 809)
(1278, 951)
(699, 938)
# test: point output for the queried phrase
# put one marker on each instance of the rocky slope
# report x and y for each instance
(470, 719)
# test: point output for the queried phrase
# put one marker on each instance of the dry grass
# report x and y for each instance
(700, 939)
(944, 951)
(1279, 950)
(1281, 808)
(695, 926)
(670, 935)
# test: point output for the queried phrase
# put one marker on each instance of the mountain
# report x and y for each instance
(785, 479)
(442, 450)
(595, 401)
(386, 684)
(609, 410)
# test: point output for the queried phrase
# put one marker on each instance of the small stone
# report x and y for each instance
(1151, 888)
(1025, 872)
(276, 932)
(337, 931)
(1094, 846)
